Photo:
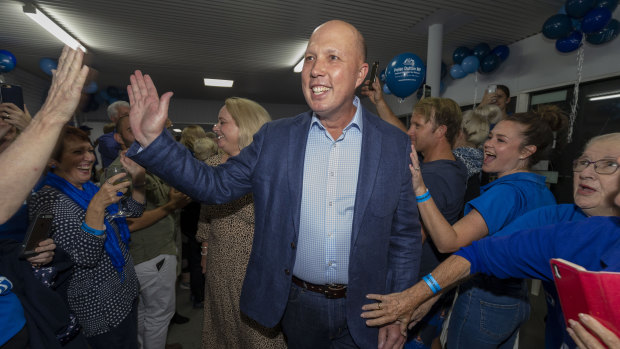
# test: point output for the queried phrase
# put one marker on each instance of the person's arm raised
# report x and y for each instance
(24, 160)
(149, 112)
(384, 111)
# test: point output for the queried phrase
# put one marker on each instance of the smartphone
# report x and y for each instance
(38, 231)
(426, 91)
(12, 94)
(373, 74)
(491, 88)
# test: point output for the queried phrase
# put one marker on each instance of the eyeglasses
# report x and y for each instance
(603, 166)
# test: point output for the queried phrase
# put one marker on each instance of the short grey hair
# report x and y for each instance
(113, 108)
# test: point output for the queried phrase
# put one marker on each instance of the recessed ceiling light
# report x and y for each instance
(218, 82)
(52, 27)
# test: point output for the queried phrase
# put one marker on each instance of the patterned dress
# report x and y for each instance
(96, 294)
(229, 230)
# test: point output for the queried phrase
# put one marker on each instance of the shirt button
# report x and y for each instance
(287, 272)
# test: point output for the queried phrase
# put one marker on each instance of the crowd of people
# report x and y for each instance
(333, 228)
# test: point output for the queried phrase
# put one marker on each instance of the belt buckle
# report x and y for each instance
(331, 290)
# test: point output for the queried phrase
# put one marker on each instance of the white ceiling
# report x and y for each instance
(255, 43)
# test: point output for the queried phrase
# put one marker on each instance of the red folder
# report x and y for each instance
(596, 293)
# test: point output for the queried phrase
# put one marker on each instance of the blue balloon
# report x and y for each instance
(557, 26)
(404, 74)
(579, 8)
(489, 63)
(608, 4)
(470, 64)
(575, 24)
(456, 72)
(7, 61)
(386, 90)
(595, 20)
(91, 88)
(501, 51)
(570, 43)
(604, 35)
(47, 65)
(460, 53)
(481, 51)
(382, 76)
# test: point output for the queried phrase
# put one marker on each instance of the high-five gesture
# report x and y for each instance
(148, 113)
(66, 90)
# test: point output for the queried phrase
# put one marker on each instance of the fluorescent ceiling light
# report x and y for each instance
(218, 82)
(177, 130)
(600, 98)
(299, 66)
(52, 27)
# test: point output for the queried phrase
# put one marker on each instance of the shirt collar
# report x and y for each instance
(355, 122)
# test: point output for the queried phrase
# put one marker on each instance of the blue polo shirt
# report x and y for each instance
(593, 243)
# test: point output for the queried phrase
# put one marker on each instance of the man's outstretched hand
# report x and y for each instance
(149, 112)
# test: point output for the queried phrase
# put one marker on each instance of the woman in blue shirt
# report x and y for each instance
(596, 182)
(488, 312)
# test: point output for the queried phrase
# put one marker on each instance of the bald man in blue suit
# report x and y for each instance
(336, 216)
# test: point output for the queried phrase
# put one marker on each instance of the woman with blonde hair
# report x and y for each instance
(190, 134)
(474, 131)
(226, 232)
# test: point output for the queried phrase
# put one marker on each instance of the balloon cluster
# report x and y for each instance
(107, 96)
(481, 59)
(7, 61)
(577, 18)
(403, 75)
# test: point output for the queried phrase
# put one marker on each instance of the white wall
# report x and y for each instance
(533, 64)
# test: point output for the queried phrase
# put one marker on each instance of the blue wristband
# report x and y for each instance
(424, 197)
(432, 283)
(90, 230)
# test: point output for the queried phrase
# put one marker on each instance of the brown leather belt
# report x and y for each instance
(333, 291)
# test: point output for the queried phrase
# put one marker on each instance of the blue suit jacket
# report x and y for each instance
(385, 239)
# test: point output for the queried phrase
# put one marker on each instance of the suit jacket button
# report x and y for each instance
(287, 272)
(293, 245)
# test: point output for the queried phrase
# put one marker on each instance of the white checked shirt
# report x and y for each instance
(331, 170)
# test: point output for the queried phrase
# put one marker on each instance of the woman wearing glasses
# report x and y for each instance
(596, 182)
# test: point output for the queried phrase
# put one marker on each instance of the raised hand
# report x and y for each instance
(66, 90)
(416, 175)
(148, 113)
(375, 95)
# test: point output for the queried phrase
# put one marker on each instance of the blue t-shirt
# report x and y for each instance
(508, 197)
(539, 218)
(593, 243)
(12, 318)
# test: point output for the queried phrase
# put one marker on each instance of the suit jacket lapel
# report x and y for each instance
(369, 165)
(298, 137)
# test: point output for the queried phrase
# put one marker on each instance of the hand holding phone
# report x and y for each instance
(12, 94)
(373, 75)
(38, 231)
